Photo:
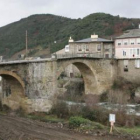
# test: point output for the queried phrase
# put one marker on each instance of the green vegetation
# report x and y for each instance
(77, 121)
(82, 119)
(130, 131)
(44, 29)
(84, 123)
(122, 92)
(45, 118)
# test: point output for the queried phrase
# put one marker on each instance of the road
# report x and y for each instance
(16, 128)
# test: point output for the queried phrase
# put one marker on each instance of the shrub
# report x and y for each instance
(83, 123)
(91, 100)
(97, 125)
(95, 114)
(75, 110)
(104, 97)
(60, 109)
(77, 121)
(137, 120)
(118, 96)
(125, 87)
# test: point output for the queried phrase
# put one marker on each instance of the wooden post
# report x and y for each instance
(112, 121)
(111, 128)
(26, 43)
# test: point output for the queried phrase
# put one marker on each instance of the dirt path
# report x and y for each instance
(15, 128)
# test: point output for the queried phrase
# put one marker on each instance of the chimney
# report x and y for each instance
(94, 36)
(71, 40)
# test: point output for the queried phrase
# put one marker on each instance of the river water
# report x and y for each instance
(130, 109)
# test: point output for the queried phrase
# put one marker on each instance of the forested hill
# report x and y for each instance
(44, 29)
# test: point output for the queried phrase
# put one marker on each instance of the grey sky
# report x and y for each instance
(14, 10)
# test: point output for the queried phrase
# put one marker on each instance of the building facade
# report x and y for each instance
(128, 45)
(91, 46)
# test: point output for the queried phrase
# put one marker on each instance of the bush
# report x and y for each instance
(84, 124)
(97, 125)
(60, 109)
(77, 121)
(118, 97)
(75, 110)
(104, 97)
(95, 114)
(91, 100)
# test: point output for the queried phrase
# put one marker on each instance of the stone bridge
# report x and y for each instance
(32, 84)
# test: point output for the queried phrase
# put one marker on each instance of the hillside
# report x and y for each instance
(44, 29)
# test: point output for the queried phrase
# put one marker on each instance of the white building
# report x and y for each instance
(128, 45)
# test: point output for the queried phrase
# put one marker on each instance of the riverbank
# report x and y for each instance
(19, 128)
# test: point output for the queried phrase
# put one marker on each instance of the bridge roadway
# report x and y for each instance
(24, 61)
(54, 57)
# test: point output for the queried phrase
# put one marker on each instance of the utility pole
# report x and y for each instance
(26, 43)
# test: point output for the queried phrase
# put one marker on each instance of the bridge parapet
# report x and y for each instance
(78, 55)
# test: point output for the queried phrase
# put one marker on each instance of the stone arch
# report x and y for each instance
(10, 73)
(88, 73)
(13, 89)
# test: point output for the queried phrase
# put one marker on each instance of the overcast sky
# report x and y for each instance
(14, 10)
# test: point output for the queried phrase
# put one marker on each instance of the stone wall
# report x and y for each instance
(133, 73)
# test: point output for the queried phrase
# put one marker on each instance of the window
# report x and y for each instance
(137, 63)
(79, 48)
(132, 41)
(138, 51)
(134, 52)
(107, 48)
(126, 68)
(87, 48)
(125, 41)
(106, 55)
(125, 65)
(67, 48)
(119, 44)
(138, 40)
(98, 48)
(124, 53)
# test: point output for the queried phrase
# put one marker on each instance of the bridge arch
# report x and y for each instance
(13, 89)
(88, 73)
(10, 73)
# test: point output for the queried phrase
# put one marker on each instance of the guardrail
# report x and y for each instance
(89, 55)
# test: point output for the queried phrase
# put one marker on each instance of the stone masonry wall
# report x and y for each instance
(133, 73)
(39, 81)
